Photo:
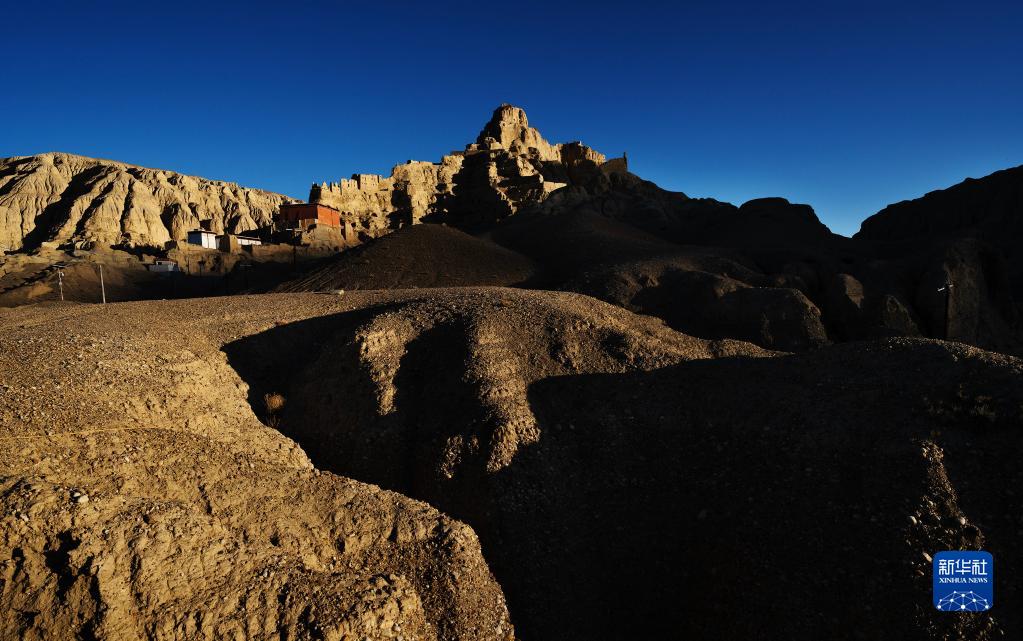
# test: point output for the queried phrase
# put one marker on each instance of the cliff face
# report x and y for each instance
(62, 197)
(990, 208)
(509, 166)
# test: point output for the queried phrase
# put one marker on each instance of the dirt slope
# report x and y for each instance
(708, 295)
(142, 498)
(418, 256)
(429, 392)
(625, 480)
(798, 497)
(628, 481)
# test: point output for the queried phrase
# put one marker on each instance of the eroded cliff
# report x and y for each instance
(508, 167)
(58, 197)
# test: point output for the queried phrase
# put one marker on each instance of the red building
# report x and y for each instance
(304, 215)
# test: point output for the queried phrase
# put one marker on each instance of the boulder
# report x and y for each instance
(980, 307)
(843, 302)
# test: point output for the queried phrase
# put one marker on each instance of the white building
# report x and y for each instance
(163, 266)
(202, 238)
(249, 240)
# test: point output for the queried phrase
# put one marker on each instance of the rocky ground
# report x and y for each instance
(142, 497)
(625, 480)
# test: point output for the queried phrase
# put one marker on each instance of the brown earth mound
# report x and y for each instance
(35, 279)
(818, 483)
(418, 256)
(142, 498)
(437, 383)
(570, 243)
(628, 481)
(697, 293)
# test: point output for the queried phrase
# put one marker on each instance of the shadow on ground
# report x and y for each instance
(793, 497)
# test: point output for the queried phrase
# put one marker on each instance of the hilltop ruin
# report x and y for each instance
(510, 166)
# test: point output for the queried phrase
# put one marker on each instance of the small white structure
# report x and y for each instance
(249, 240)
(202, 238)
(163, 266)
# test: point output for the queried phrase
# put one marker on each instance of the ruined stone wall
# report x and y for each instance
(616, 166)
(509, 166)
(373, 204)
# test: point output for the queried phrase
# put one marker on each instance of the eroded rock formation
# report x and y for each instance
(141, 497)
(508, 167)
(768, 271)
(58, 197)
(627, 481)
(988, 209)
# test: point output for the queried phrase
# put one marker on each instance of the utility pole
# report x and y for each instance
(60, 283)
(102, 285)
(948, 306)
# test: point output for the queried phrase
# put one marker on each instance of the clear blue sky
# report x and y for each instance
(846, 106)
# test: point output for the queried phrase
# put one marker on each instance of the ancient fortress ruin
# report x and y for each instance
(510, 166)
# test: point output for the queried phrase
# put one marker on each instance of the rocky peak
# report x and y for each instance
(508, 124)
(509, 166)
(509, 127)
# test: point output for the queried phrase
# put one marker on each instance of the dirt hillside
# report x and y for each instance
(142, 498)
(418, 256)
(608, 464)
(612, 465)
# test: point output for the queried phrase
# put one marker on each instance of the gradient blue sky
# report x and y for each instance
(847, 106)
